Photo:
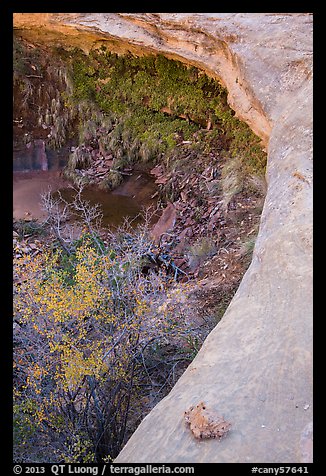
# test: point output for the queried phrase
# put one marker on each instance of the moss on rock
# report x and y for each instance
(145, 109)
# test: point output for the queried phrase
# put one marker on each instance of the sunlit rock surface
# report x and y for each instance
(255, 368)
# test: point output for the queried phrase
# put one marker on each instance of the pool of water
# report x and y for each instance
(38, 168)
(127, 200)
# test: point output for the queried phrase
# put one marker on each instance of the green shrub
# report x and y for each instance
(200, 251)
(30, 228)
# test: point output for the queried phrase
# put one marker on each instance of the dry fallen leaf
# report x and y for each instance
(205, 423)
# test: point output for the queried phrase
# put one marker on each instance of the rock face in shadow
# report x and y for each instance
(255, 367)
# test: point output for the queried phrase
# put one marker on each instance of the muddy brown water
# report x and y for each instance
(127, 200)
(38, 169)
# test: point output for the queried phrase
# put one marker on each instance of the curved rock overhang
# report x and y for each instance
(255, 367)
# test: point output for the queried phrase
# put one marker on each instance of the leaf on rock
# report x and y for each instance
(205, 423)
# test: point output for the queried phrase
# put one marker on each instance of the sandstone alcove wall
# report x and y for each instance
(255, 367)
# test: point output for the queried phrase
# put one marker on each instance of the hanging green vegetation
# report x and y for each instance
(147, 109)
(156, 104)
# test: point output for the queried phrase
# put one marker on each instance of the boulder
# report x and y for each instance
(165, 223)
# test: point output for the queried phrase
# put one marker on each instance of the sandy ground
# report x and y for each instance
(27, 190)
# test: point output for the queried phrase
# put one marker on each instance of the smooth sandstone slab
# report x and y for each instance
(255, 367)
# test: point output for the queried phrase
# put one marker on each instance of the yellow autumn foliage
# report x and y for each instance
(84, 323)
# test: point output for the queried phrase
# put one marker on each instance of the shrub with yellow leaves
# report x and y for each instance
(92, 335)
